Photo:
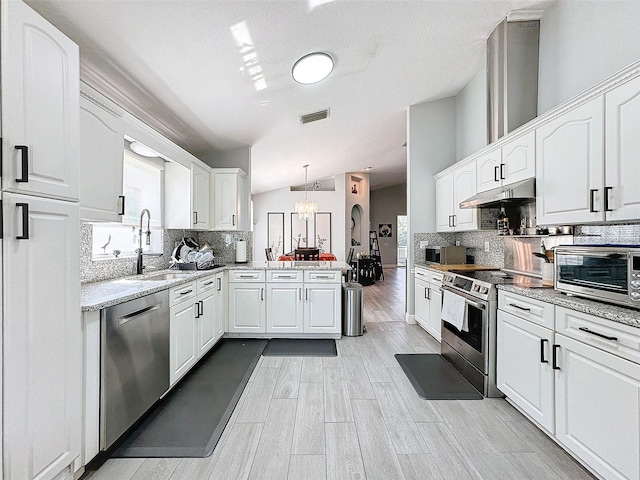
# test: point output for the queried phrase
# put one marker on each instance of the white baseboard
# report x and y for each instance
(410, 319)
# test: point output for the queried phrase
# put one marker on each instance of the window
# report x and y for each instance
(142, 188)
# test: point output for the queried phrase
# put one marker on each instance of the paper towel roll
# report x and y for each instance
(241, 251)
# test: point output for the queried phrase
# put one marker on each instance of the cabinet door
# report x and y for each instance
(40, 105)
(435, 305)
(569, 167)
(322, 308)
(523, 367)
(519, 159)
(207, 327)
(247, 308)
(284, 308)
(421, 297)
(444, 203)
(220, 318)
(464, 187)
(42, 358)
(488, 171)
(622, 107)
(598, 408)
(183, 335)
(225, 205)
(200, 197)
(101, 153)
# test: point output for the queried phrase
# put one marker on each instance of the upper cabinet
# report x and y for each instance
(452, 189)
(622, 144)
(40, 105)
(101, 154)
(229, 199)
(569, 173)
(187, 197)
(514, 162)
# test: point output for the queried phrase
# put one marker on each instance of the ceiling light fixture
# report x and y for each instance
(312, 68)
(306, 208)
(143, 150)
(367, 169)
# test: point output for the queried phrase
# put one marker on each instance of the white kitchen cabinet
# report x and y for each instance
(452, 189)
(247, 309)
(514, 162)
(421, 297)
(488, 170)
(285, 308)
(42, 356)
(598, 408)
(229, 203)
(187, 197)
(523, 367)
(220, 318)
(183, 349)
(428, 301)
(101, 154)
(622, 144)
(569, 166)
(208, 299)
(40, 106)
(322, 307)
(435, 307)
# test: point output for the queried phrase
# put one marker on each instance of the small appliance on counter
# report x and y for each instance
(446, 255)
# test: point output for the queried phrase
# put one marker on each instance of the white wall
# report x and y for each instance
(583, 43)
(431, 147)
(386, 205)
(471, 116)
(284, 200)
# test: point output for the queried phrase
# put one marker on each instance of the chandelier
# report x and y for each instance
(306, 208)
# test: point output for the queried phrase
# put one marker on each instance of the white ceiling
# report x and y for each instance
(177, 65)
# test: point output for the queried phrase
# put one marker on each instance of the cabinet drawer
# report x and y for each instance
(423, 274)
(322, 276)
(284, 276)
(436, 278)
(246, 276)
(622, 340)
(530, 309)
(206, 283)
(182, 293)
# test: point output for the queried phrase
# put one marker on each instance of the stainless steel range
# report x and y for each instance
(470, 344)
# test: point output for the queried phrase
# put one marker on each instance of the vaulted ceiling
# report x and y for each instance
(216, 75)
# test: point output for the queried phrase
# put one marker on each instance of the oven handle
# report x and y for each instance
(478, 305)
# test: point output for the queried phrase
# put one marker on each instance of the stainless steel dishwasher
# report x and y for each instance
(134, 365)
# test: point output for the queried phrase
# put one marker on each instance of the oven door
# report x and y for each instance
(603, 275)
(474, 344)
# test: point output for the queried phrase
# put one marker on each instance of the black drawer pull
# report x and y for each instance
(208, 283)
(555, 357)
(186, 292)
(542, 342)
(524, 309)
(24, 154)
(25, 221)
(602, 335)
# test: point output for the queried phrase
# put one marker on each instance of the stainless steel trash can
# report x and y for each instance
(352, 309)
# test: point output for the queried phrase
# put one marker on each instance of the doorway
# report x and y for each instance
(401, 228)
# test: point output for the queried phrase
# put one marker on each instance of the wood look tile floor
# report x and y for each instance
(357, 417)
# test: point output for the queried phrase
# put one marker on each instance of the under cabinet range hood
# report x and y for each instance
(520, 192)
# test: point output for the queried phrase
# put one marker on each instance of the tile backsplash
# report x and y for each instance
(93, 270)
(474, 241)
(626, 234)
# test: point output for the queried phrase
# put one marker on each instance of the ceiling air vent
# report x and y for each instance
(314, 117)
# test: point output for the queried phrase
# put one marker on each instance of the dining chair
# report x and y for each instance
(306, 254)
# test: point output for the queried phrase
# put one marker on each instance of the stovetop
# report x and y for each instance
(482, 284)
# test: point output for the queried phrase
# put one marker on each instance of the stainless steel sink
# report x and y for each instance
(164, 276)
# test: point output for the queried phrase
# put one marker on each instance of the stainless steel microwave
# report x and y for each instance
(449, 255)
(610, 273)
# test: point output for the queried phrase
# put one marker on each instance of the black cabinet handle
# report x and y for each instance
(502, 171)
(606, 198)
(1, 220)
(195, 218)
(524, 309)
(542, 342)
(219, 284)
(24, 153)
(602, 335)
(197, 305)
(495, 173)
(121, 197)
(233, 220)
(201, 302)
(185, 292)
(555, 357)
(591, 201)
(427, 289)
(25, 221)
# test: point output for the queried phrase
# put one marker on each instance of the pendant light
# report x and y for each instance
(306, 208)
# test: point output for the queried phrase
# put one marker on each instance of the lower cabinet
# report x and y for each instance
(322, 308)
(247, 309)
(428, 301)
(182, 333)
(285, 307)
(435, 307)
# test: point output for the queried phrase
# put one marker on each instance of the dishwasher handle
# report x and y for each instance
(132, 316)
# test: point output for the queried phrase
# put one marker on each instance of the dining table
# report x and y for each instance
(324, 257)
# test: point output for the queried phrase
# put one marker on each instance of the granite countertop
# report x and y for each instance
(98, 295)
(470, 267)
(627, 316)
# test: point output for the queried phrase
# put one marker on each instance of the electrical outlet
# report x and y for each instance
(486, 246)
(424, 243)
(457, 243)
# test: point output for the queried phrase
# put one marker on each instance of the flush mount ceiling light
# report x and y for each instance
(312, 68)
(143, 150)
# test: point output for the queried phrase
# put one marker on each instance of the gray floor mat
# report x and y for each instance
(434, 379)
(300, 347)
(189, 421)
